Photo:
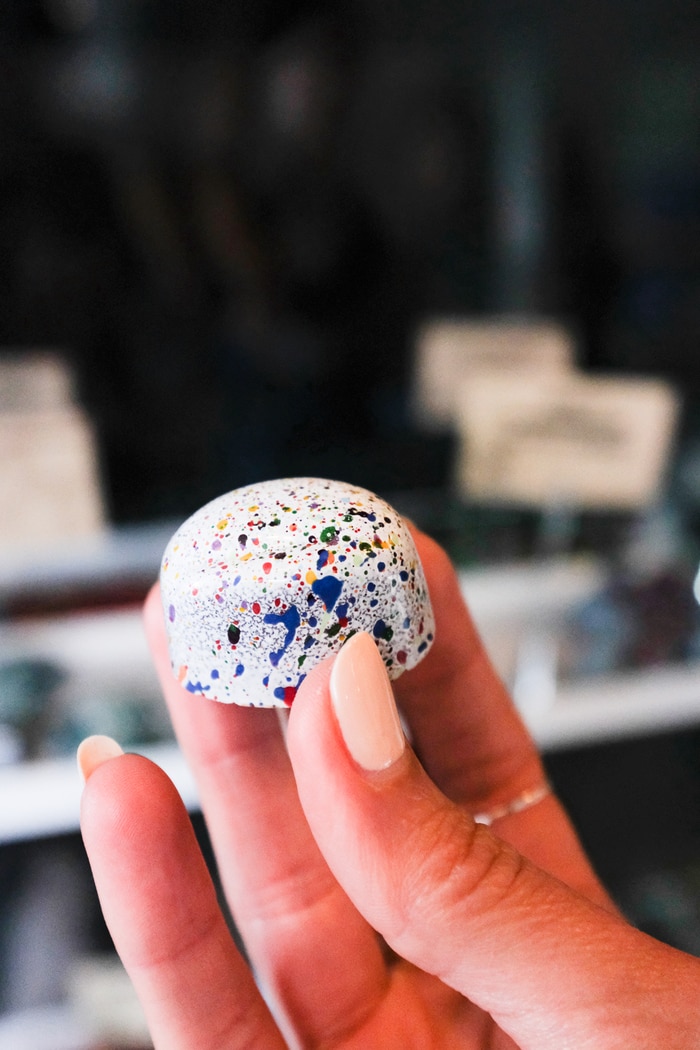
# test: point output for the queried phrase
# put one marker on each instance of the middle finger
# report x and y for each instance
(298, 926)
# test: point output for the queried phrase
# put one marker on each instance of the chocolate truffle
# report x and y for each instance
(262, 583)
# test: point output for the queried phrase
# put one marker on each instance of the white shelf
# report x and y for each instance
(117, 554)
(42, 798)
(637, 703)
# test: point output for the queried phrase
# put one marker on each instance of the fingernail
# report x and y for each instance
(364, 705)
(93, 751)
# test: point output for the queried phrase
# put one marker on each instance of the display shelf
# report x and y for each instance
(612, 707)
(116, 555)
(42, 798)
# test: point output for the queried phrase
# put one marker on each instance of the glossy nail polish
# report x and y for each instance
(93, 751)
(364, 705)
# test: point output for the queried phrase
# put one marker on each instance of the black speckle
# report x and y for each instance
(234, 634)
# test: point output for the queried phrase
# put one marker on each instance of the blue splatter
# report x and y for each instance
(328, 589)
(196, 687)
(171, 613)
(382, 630)
(379, 629)
(321, 560)
(287, 693)
(215, 673)
(290, 619)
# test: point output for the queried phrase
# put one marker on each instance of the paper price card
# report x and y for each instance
(586, 442)
(449, 352)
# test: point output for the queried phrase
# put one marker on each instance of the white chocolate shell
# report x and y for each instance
(262, 583)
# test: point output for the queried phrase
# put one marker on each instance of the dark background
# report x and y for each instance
(232, 216)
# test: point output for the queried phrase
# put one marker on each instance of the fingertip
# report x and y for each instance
(364, 705)
(93, 752)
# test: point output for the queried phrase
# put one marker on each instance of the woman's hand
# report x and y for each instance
(491, 938)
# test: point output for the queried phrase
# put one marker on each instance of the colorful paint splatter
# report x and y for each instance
(263, 582)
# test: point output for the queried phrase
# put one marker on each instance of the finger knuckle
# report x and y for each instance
(456, 871)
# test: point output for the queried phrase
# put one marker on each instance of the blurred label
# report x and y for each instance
(34, 381)
(450, 352)
(49, 479)
(576, 441)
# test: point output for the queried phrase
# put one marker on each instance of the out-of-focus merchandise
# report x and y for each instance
(65, 677)
(49, 477)
(647, 613)
(100, 1012)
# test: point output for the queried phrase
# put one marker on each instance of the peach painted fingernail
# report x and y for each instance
(364, 704)
(93, 751)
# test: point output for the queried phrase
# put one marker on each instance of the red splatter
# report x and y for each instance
(402, 656)
(256, 607)
(267, 566)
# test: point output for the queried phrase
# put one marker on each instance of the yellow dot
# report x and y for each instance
(310, 576)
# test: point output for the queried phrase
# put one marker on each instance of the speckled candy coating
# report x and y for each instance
(264, 582)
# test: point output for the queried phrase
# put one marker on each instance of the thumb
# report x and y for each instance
(553, 969)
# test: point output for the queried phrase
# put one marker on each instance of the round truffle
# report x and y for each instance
(262, 583)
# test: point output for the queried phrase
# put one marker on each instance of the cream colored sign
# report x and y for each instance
(49, 486)
(449, 352)
(49, 478)
(34, 380)
(588, 442)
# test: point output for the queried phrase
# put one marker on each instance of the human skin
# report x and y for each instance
(489, 938)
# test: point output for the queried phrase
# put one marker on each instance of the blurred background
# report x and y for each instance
(449, 251)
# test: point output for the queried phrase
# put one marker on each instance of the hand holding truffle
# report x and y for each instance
(492, 937)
